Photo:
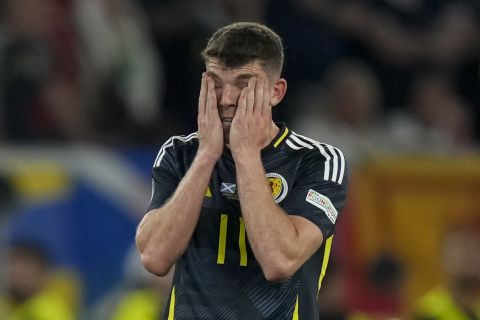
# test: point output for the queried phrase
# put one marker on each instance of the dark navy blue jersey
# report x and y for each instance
(218, 277)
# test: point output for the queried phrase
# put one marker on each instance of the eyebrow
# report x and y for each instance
(241, 77)
(245, 76)
(212, 74)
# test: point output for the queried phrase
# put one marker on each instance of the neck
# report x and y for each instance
(273, 133)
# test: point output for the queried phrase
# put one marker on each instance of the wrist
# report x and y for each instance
(206, 158)
(247, 157)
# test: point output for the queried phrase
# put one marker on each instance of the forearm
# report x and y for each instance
(272, 234)
(164, 233)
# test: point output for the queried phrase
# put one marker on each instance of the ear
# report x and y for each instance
(279, 90)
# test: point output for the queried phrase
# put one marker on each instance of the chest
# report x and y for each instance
(222, 194)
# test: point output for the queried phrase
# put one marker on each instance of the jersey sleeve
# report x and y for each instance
(319, 193)
(165, 176)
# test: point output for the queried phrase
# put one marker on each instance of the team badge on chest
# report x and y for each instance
(279, 186)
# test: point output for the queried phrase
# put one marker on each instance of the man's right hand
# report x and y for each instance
(210, 129)
(165, 232)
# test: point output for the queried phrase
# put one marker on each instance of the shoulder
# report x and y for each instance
(177, 144)
(182, 140)
(318, 157)
(311, 148)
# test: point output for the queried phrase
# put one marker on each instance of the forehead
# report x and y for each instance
(252, 68)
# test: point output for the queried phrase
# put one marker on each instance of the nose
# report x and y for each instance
(228, 96)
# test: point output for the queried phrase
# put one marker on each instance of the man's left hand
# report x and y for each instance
(252, 124)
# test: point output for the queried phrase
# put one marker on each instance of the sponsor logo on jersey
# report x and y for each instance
(323, 203)
(229, 190)
(279, 186)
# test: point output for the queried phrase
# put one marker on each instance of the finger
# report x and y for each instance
(259, 92)
(211, 98)
(267, 94)
(250, 95)
(202, 98)
(242, 103)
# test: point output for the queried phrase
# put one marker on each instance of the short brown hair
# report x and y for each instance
(240, 43)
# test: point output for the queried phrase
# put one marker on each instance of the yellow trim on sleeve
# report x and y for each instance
(171, 309)
(222, 238)
(241, 243)
(284, 134)
(295, 311)
(326, 256)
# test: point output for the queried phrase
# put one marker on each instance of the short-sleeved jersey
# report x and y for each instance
(218, 276)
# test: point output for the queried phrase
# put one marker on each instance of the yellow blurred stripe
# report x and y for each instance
(41, 180)
(295, 311)
(171, 309)
(241, 244)
(222, 239)
(326, 257)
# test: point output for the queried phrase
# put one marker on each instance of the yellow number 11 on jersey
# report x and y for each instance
(222, 241)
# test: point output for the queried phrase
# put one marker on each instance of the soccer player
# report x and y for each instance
(245, 208)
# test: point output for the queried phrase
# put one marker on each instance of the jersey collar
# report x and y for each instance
(278, 140)
(274, 145)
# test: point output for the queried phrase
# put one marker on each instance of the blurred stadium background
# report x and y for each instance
(90, 89)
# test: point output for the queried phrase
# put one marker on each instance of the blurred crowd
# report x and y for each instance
(384, 75)
(35, 290)
(368, 76)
